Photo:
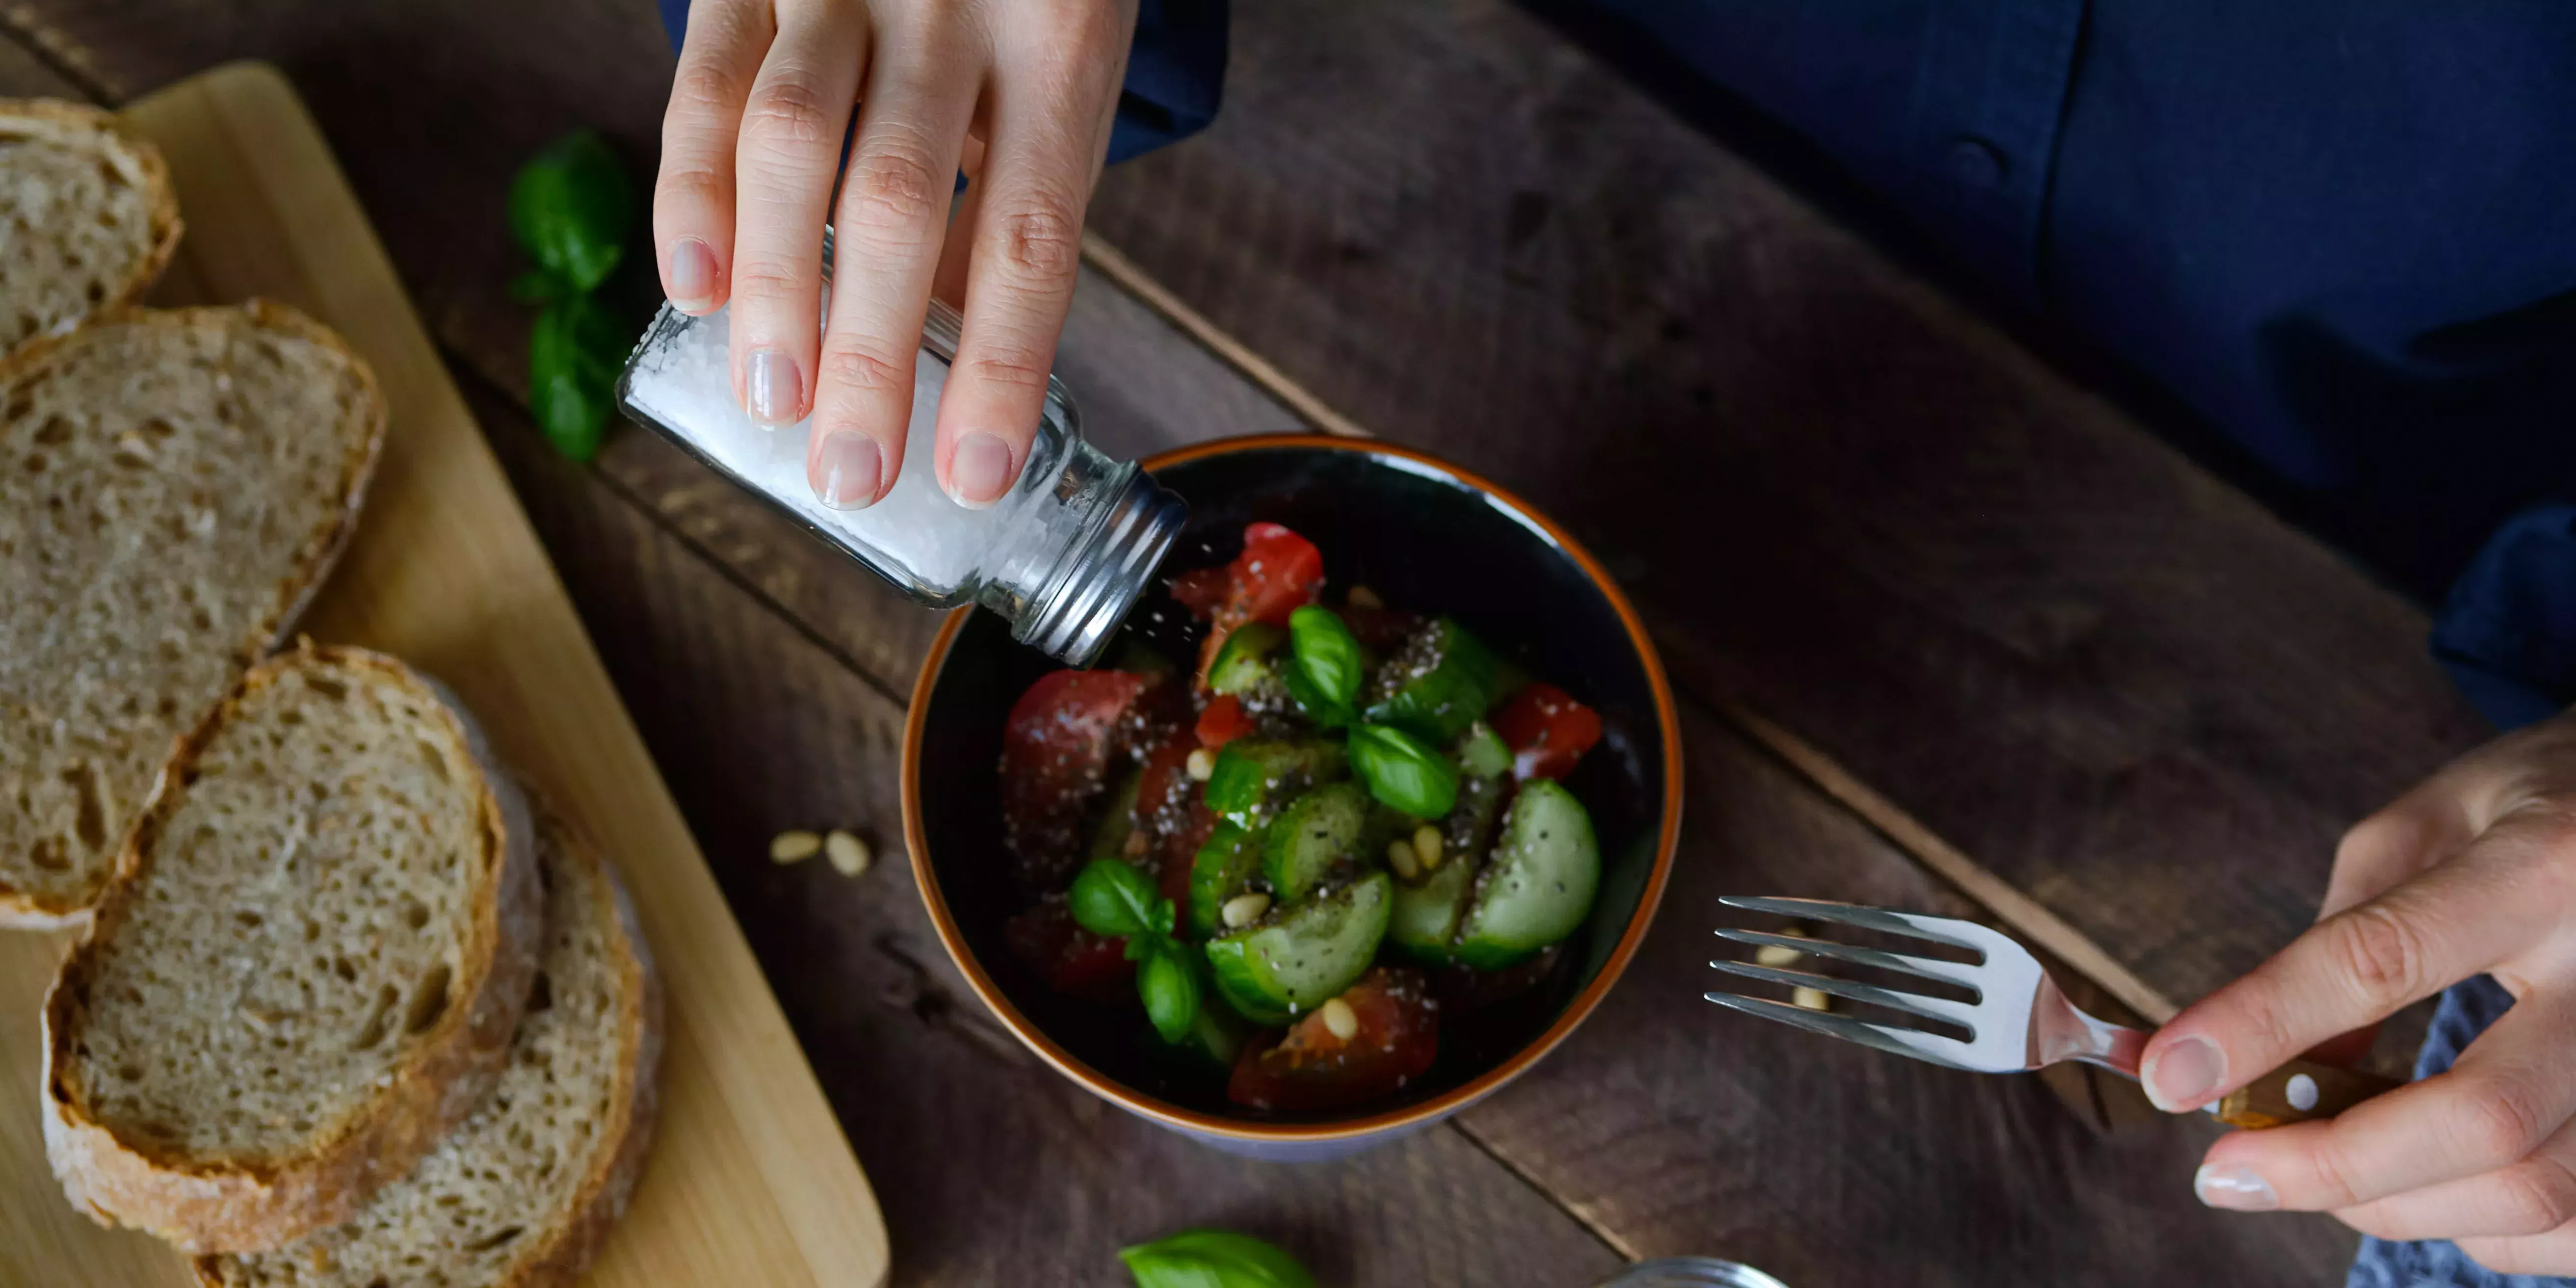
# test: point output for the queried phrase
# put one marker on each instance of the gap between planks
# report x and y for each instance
(1809, 762)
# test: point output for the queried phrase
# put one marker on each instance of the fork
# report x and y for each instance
(2018, 1022)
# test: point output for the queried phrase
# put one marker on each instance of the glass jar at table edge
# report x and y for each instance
(1062, 556)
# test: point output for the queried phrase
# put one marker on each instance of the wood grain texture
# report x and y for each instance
(748, 1178)
(2125, 689)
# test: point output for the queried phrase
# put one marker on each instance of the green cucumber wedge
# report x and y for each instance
(1224, 867)
(1435, 686)
(1316, 835)
(1425, 916)
(1277, 969)
(1109, 837)
(1255, 777)
(1538, 885)
(1247, 658)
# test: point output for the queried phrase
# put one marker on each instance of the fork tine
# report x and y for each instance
(1959, 973)
(1962, 1014)
(1940, 930)
(1929, 1047)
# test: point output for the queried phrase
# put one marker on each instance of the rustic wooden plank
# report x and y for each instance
(991, 1167)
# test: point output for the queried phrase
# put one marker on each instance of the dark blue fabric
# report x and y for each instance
(2507, 634)
(1175, 72)
(2466, 1011)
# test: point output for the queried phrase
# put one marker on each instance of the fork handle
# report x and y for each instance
(2298, 1092)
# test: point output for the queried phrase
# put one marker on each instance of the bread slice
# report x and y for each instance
(522, 1194)
(87, 218)
(319, 941)
(173, 485)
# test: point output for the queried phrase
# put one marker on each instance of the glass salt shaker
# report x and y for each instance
(1062, 556)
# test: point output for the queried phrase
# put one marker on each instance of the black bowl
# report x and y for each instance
(1428, 537)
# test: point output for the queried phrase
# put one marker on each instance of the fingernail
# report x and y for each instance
(693, 275)
(845, 471)
(980, 471)
(772, 391)
(2233, 1188)
(2185, 1075)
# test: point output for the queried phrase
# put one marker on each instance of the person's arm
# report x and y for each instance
(1024, 95)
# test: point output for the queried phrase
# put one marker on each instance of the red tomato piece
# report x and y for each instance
(1547, 730)
(1381, 629)
(1070, 958)
(1056, 750)
(1201, 590)
(1277, 573)
(1181, 847)
(1222, 722)
(1311, 1068)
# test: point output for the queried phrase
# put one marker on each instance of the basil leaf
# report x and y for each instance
(1317, 706)
(1213, 1259)
(1326, 653)
(1169, 983)
(1112, 898)
(538, 286)
(571, 207)
(1400, 771)
(575, 352)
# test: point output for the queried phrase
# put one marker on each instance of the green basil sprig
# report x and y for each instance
(1115, 899)
(574, 353)
(1400, 770)
(571, 209)
(1213, 1259)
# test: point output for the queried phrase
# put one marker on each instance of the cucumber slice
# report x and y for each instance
(1246, 658)
(1223, 868)
(1425, 917)
(1468, 832)
(1300, 959)
(1539, 883)
(1440, 682)
(1109, 836)
(1313, 837)
(1481, 752)
(1254, 777)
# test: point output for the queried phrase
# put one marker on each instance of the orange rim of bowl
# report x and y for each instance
(1668, 835)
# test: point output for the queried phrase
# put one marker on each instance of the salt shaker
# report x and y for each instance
(1062, 556)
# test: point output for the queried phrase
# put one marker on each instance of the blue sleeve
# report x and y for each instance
(1175, 72)
(2507, 631)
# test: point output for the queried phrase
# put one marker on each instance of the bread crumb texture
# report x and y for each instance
(504, 1192)
(77, 206)
(300, 923)
(168, 483)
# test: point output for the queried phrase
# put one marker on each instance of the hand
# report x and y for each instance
(750, 145)
(2473, 871)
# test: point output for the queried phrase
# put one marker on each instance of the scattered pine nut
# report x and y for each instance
(848, 853)
(794, 847)
(1202, 763)
(1426, 847)
(1776, 955)
(1134, 846)
(1244, 909)
(1341, 1019)
(1400, 856)
(1363, 597)
(1813, 999)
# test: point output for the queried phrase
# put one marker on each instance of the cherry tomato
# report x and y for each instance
(1547, 731)
(1277, 573)
(1056, 750)
(1310, 1068)
(1070, 958)
(1222, 722)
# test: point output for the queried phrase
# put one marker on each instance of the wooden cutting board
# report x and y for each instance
(751, 1181)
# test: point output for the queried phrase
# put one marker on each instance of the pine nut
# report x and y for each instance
(1363, 597)
(1340, 1019)
(1775, 955)
(848, 853)
(1202, 764)
(1134, 846)
(1426, 847)
(794, 847)
(1244, 909)
(1814, 999)
(1399, 856)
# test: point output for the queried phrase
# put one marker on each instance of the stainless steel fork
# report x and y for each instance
(2018, 1021)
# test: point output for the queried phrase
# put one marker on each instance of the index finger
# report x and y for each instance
(2364, 963)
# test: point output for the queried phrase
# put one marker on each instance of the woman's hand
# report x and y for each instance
(750, 144)
(2473, 871)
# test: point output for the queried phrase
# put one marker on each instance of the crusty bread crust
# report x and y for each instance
(566, 1242)
(35, 910)
(242, 1205)
(165, 226)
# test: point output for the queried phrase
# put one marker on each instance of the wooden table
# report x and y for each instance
(1953, 633)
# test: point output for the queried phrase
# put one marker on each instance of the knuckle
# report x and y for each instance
(1041, 240)
(2335, 1175)
(705, 86)
(765, 281)
(1011, 368)
(792, 112)
(2381, 954)
(893, 186)
(689, 183)
(854, 366)
(2536, 1196)
(2498, 1122)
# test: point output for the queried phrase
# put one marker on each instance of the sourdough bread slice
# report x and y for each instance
(308, 970)
(522, 1194)
(173, 485)
(87, 218)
